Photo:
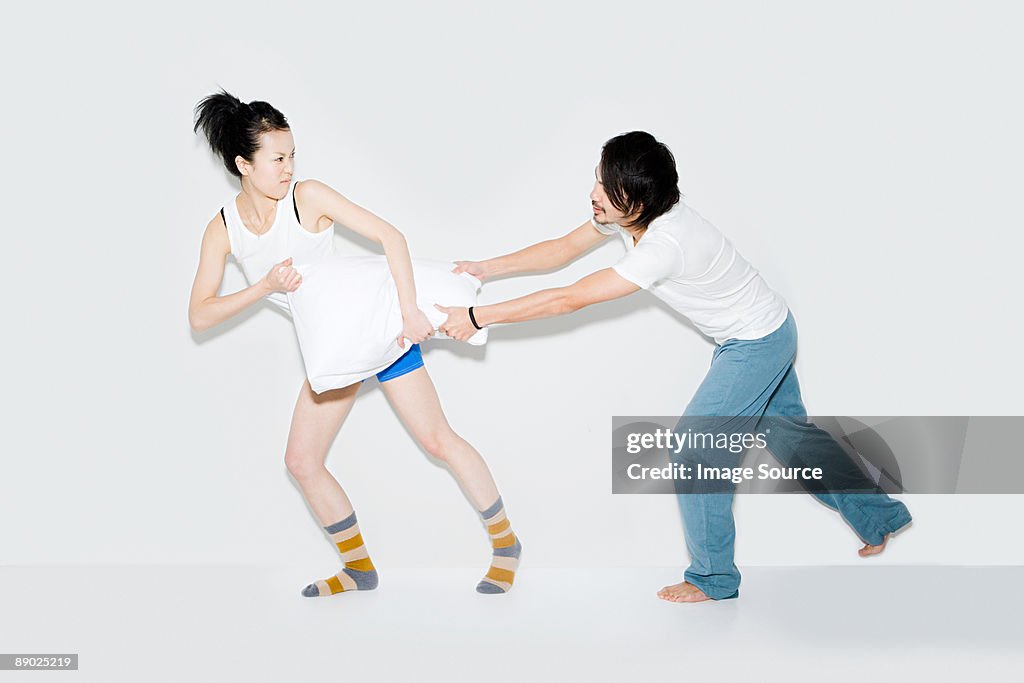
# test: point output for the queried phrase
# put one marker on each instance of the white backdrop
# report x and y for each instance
(865, 158)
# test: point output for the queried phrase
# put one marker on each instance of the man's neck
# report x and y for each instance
(636, 233)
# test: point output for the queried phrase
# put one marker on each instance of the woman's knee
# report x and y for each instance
(303, 464)
(440, 443)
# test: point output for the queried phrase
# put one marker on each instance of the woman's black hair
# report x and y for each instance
(233, 128)
(639, 174)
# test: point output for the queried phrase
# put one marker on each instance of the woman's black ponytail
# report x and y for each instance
(233, 128)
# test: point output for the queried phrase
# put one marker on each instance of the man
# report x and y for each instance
(681, 258)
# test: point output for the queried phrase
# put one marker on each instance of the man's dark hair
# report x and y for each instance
(639, 174)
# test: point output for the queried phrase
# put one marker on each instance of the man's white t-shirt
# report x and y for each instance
(686, 262)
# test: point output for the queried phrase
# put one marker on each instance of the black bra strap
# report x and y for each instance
(222, 217)
(295, 206)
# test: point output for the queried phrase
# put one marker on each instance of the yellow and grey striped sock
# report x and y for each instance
(358, 574)
(507, 549)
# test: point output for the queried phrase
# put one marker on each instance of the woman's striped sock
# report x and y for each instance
(358, 574)
(507, 549)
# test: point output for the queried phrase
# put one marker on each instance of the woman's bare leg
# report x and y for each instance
(315, 422)
(414, 399)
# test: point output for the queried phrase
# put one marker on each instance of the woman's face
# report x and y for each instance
(273, 164)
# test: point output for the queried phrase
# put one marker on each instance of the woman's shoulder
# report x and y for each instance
(311, 189)
(216, 233)
(224, 211)
(219, 222)
(308, 187)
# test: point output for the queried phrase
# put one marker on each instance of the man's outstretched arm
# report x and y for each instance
(604, 285)
(546, 255)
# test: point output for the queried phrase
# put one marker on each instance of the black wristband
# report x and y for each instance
(472, 319)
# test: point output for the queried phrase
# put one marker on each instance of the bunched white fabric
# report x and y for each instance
(347, 315)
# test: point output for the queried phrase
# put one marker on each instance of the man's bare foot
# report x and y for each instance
(868, 550)
(682, 592)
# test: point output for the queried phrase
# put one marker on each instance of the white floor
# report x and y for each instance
(181, 623)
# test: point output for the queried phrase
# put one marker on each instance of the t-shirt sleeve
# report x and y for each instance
(655, 258)
(603, 229)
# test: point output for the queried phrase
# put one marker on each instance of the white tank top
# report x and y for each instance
(286, 237)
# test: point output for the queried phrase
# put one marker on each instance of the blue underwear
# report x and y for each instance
(410, 360)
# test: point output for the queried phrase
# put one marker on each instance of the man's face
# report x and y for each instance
(604, 212)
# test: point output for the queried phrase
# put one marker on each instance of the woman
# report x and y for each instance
(269, 233)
